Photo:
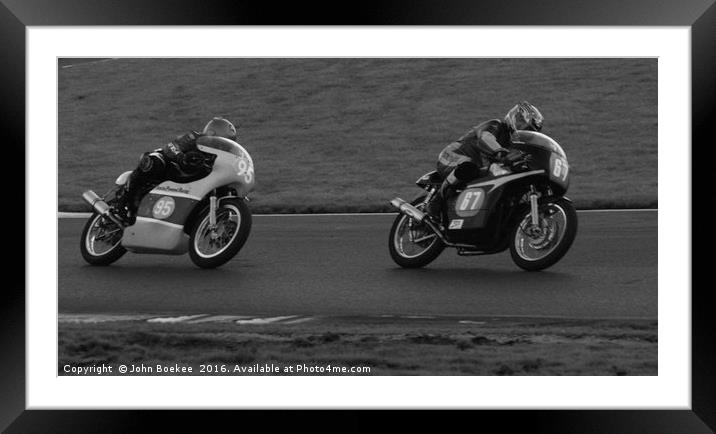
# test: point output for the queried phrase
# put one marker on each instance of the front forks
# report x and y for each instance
(534, 229)
(212, 215)
(534, 208)
(212, 210)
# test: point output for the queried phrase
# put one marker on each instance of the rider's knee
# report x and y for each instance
(466, 171)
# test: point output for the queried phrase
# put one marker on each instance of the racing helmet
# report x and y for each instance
(524, 116)
(220, 127)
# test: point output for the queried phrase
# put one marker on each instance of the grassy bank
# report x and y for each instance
(349, 134)
(387, 346)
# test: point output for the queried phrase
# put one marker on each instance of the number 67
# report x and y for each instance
(560, 169)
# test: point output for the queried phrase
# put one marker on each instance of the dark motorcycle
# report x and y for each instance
(518, 204)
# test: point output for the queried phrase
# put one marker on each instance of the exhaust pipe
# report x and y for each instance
(95, 202)
(408, 209)
(100, 206)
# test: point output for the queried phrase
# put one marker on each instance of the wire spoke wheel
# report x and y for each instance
(413, 239)
(211, 246)
(101, 241)
(212, 241)
(104, 235)
(412, 244)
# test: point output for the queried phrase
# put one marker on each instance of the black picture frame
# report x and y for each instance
(16, 15)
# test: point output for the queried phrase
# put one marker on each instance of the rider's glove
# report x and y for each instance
(512, 158)
(500, 155)
(196, 161)
(518, 159)
(190, 159)
(185, 140)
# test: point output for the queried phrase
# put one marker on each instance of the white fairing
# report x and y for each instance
(229, 169)
(122, 179)
(151, 233)
(153, 236)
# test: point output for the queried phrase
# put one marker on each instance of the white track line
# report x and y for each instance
(265, 320)
(98, 318)
(184, 318)
(88, 63)
(218, 318)
(82, 215)
(298, 319)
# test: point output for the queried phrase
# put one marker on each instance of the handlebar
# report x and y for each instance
(517, 160)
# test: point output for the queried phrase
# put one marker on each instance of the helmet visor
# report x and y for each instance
(537, 119)
(220, 127)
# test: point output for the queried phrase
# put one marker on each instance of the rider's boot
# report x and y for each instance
(150, 171)
(465, 171)
(121, 207)
(126, 204)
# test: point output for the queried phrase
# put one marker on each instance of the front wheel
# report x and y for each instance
(101, 242)
(210, 247)
(413, 244)
(535, 248)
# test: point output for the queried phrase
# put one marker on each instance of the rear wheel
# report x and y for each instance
(101, 242)
(413, 244)
(535, 248)
(210, 247)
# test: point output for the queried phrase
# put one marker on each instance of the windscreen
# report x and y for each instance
(538, 139)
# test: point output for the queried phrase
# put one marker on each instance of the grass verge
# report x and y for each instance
(348, 135)
(388, 346)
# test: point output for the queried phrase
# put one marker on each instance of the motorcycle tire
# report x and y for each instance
(236, 239)
(401, 258)
(88, 252)
(517, 251)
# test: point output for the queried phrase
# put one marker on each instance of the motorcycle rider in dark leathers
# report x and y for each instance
(466, 158)
(179, 161)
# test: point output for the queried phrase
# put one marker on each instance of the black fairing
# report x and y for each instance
(489, 228)
(546, 153)
(486, 222)
(538, 140)
(430, 178)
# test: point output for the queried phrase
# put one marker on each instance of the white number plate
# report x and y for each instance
(163, 208)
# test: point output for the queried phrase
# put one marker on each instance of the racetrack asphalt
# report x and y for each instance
(340, 265)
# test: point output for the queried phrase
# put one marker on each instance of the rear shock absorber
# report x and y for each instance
(431, 193)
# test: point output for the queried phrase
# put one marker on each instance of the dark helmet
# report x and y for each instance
(524, 116)
(220, 127)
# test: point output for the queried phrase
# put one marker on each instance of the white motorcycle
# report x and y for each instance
(209, 217)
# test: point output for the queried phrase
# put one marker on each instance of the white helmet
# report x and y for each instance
(220, 127)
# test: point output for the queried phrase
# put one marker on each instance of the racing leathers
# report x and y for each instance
(462, 160)
(179, 161)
